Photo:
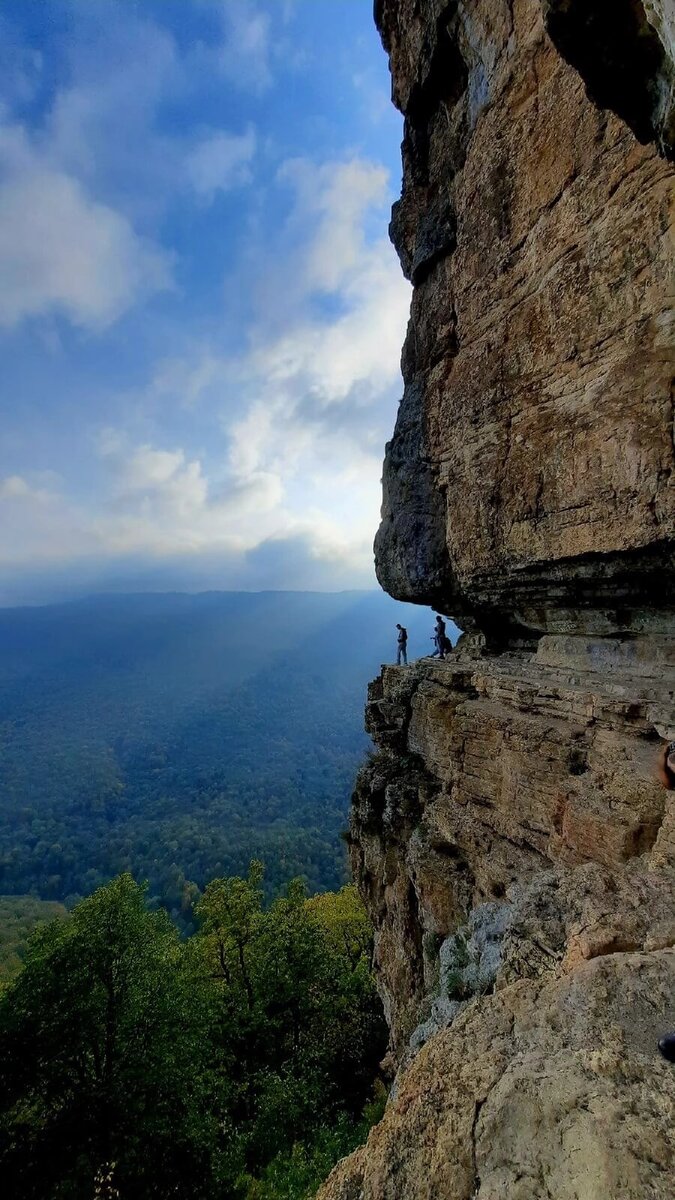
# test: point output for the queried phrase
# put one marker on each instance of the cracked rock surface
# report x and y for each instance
(510, 837)
(528, 486)
(516, 852)
(544, 1091)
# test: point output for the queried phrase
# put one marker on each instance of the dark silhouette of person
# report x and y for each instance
(666, 773)
(439, 638)
(402, 646)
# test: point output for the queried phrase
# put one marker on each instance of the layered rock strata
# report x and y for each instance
(497, 779)
(510, 835)
(528, 485)
(516, 852)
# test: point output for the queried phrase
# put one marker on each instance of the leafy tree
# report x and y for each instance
(302, 1029)
(104, 1069)
(230, 1066)
(20, 916)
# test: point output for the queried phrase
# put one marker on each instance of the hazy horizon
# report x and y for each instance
(193, 592)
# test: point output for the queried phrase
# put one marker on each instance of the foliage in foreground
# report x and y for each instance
(236, 1064)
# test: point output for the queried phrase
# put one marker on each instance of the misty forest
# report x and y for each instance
(177, 1018)
(179, 737)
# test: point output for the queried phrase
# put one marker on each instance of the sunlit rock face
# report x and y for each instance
(526, 781)
(516, 852)
(510, 836)
(528, 484)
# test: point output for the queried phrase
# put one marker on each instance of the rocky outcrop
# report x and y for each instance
(516, 851)
(544, 1091)
(528, 485)
(510, 836)
(499, 779)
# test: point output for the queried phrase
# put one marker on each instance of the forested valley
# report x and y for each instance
(177, 737)
(175, 1020)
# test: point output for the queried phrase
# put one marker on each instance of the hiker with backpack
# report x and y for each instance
(440, 639)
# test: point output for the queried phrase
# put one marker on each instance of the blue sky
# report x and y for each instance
(200, 312)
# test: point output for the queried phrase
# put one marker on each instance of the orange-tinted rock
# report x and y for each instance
(511, 838)
(528, 485)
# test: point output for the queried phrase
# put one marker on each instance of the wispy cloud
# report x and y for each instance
(231, 411)
(62, 251)
(221, 161)
(244, 55)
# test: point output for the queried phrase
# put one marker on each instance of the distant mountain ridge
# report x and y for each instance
(180, 735)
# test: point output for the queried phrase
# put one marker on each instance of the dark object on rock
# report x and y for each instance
(667, 1046)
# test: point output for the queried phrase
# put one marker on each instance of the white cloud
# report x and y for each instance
(102, 125)
(60, 250)
(26, 492)
(332, 200)
(221, 161)
(161, 501)
(39, 526)
(77, 188)
(321, 390)
(12, 487)
(244, 56)
(157, 484)
(305, 411)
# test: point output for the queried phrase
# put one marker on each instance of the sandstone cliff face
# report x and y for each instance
(510, 836)
(499, 775)
(528, 485)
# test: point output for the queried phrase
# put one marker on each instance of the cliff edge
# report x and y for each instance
(510, 836)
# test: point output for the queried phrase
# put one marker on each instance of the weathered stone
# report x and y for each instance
(528, 486)
(502, 769)
(511, 838)
(625, 52)
(548, 1088)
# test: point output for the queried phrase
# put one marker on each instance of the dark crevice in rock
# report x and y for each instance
(474, 1153)
(611, 594)
(622, 60)
(443, 84)
(417, 934)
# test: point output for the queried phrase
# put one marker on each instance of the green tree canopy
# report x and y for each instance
(103, 1059)
(136, 1064)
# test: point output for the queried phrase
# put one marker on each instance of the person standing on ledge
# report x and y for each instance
(402, 646)
(439, 638)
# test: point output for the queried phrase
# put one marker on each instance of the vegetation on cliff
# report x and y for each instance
(237, 1063)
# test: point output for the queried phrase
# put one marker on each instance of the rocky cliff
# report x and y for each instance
(527, 487)
(510, 835)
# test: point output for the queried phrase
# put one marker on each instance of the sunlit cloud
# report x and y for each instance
(60, 250)
(241, 306)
